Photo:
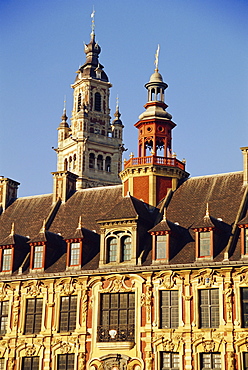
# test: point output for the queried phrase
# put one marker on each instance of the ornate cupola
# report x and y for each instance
(151, 175)
(90, 147)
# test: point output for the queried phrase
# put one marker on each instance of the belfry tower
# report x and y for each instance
(91, 147)
(151, 175)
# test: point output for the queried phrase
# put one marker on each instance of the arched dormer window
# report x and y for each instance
(112, 249)
(108, 164)
(79, 102)
(100, 162)
(98, 102)
(92, 160)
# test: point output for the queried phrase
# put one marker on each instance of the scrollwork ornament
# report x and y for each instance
(168, 345)
(117, 285)
(65, 347)
(30, 350)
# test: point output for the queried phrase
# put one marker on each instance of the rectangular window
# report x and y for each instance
(210, 361)
(68, 313)
(38, 256)
(2, 363)
(117, 314)
(66, 362)
(6, 259)
(168, 308)
(245, 360)
(4, 308)
(204, 244)
(74, 254)
(30, 363)
(246, 241)
(209, 308)
(244, 307)
(33, 316)
(161, 241)
(169, 361)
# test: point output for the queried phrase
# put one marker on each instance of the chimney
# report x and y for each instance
(64, 185)
(245, 164)
(8, 192)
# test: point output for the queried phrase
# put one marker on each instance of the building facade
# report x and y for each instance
(147, 272)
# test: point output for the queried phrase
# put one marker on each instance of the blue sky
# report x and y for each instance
(203, 59)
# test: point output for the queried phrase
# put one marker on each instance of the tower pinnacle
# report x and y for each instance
(156, 58)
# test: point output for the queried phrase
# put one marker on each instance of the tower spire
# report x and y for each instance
(156, 58)
(93, 23)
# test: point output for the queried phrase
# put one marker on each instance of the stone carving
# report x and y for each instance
(84, 306)
(207, 277)
(208, 345)
(168, 345)
(11, 363)
(228, 292)
(149, 361)
(33, 288)
(168, 280)
(81, 361)
(15, 312)
(117, 285)
(4, 290)
(230, 360)
(30, 350)
(65, 347)
(66, 286)
(146, 300)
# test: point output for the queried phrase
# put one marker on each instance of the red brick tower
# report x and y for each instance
(151, 175)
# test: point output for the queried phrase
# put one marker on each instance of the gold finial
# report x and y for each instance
(117, 102)
(207, 210)
(156, 58)
(43, 228)
(80, 223)
(64, 104)
(12, 232)
(164, 215)
(93, 22)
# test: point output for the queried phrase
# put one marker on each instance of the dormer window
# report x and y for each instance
(161, 246)
(118, 247)
(204, 243)
(244, 239)
(75, 254)
(6, 259)
(38, 256)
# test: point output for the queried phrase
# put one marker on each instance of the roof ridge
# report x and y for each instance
(34, 196)
(216, 175)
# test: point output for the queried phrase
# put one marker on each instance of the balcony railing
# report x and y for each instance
(115, 334)
(162, 161)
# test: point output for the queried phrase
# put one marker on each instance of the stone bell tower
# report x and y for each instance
(156, 169)
(91, 147)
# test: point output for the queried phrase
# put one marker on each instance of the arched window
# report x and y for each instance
(70, 163)
(153, 95)
(97, 102)
(108, 164)
(79, 102)
(111, 249)
(92, 160)
(100, 162)
(126, 248)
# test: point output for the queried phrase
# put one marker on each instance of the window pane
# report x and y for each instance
(7, 257)
(4, 308)
(38, 257)
(204, 249)
(33, 315)
(66, 362)
(209, 308)
(245, 360)
(161, 246)
(117, 315)
(246, 241)
(210, 361)
(74, 254)
(244, 307)
(169, 360)
(126, 248)
(2, 363)
(169, 309)
(30, 363)
(112, 249)
(68, 313)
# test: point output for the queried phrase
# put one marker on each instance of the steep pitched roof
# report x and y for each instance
(28, 214)
(90, 204)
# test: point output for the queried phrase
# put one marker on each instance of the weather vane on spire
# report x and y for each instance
(117, 102)
(93, 22)
(156, 59)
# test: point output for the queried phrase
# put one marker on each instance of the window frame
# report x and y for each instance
(97, 102)
(67, 356)
(10, 259)
(198, 233)
(111, 325)
(244, 303)
(171, 360)
(2, 363)
(159, 245)
(170, 307)
(70, 314)
(244, 360)
(208, 309)
(69, 252)
(41, 253)
(4, 316)
(212, 360)
(36, 316)
(118, 236)
(31, 367)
